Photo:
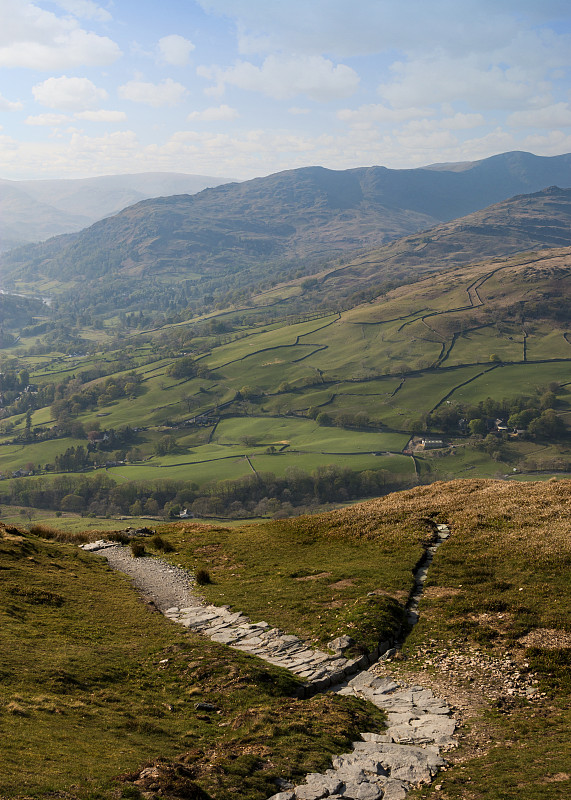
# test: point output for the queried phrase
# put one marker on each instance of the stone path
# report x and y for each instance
(443, 532)
(383, 765)
(318, 669)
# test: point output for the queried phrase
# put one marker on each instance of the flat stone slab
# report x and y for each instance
(375, 769)
(100, 544)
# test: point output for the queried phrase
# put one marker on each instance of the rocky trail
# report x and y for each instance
(381, 766)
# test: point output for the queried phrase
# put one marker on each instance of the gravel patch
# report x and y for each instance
(160, 582)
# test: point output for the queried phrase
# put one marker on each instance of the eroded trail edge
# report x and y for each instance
(381, 766)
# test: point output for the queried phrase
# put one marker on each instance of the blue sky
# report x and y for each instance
(240, 88)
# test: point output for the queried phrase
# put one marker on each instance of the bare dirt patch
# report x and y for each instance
(440, 591)
(314, 577)
(558, 777)
(547, 638)
(342, 584)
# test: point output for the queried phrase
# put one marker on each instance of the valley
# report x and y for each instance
(215, 386)
(212, 402)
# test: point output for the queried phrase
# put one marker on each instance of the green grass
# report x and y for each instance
(477, 346)
(305, 434)
(463, 462)
(16, 456)
(279, 465)
(26, 517)
(510, 381)
(546, 342)
(99, 684)
(306, 576)
(217, 469)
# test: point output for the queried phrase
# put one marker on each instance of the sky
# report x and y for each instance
(241, 88)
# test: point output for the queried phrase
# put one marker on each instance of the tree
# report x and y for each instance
(72, 502)
(136, 509)
(28, 429)
(23, 378)
(166, 444)
(548, 425)
(184, 367)
(477, 427)
(151, 507)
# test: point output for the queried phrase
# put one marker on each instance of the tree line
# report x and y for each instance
(262, 494)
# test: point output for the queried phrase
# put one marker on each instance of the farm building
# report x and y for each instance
(432, 444)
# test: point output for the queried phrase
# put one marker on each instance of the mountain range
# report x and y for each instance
(302, 216)
(34, 210)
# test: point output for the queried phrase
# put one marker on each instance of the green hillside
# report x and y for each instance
(176, 413)
(102, 686)
(225, 243)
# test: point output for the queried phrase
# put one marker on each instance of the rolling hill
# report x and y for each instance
(34, 210)
(522, 223)
(226, 400)
(292, 218)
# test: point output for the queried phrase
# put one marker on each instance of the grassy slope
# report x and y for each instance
(499, 586)
(310, 575)
(87, 696)
(439, 333)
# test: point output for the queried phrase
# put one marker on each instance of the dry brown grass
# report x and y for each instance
(535, 515)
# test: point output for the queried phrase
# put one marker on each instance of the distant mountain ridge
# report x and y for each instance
(34, 210)
(288, 218)
(524, 222)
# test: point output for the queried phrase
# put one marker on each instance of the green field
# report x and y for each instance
(338, 389)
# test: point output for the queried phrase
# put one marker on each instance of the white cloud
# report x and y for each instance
(33, 38)
(47, 120)
(256, 152)
(362, 27)
(380, 114)
(73, 94)
(102, 116)
(9, 105)
(175, 49)
(297, 111)
(86, 9)
(458, 122)
(282, 77)
(557, 115)
(214, 114)
(551, 144)
(439, 79)
(166, 93)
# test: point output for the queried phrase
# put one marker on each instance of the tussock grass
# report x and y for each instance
(202, 577)
(137, 549)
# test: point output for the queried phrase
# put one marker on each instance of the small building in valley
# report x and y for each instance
(430, 443)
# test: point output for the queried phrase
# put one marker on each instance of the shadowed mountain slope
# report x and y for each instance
(525, 222)
(310, 213)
